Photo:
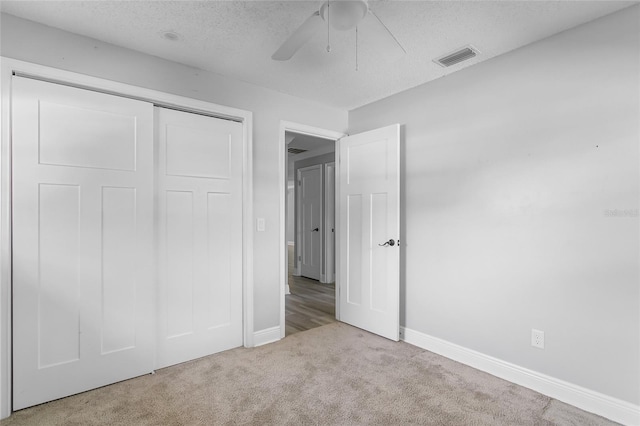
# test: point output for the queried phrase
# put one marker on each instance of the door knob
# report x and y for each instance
(315, 230)
(388, 243)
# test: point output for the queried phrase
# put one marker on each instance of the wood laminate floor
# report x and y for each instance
(310, 304)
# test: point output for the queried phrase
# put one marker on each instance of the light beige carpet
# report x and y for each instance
(333, 375)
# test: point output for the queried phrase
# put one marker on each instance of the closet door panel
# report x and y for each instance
(200, 235)
(82, 240)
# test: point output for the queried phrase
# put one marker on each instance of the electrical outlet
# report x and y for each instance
(537, 338)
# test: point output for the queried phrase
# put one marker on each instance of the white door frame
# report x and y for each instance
(288, 126)
(329, 198)
(8, 67)
(298, 214)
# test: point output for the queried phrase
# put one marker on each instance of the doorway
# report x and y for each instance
(367, 228)
(308, 227)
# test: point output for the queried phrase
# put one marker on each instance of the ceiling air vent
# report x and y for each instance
(456, 57)
(296, 150)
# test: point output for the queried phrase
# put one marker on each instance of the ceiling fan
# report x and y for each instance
(341, 15)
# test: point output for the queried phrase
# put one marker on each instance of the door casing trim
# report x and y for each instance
(329, 250)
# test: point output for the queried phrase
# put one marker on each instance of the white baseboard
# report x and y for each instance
(323, 279)
(291, 243)
(268, 335)
(296, 272)
(585, 399)
(287, 290)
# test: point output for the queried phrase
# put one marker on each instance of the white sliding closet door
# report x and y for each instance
(82, 240)
(200, 235)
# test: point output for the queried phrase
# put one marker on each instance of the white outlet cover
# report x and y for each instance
(537, 338)
(260, 224)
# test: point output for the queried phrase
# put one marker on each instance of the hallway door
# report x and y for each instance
(310, 225)
(369, 199)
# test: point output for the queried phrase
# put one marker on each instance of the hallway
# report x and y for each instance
(310, 304)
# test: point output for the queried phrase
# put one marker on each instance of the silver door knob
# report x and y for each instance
(315, 230)
(388, 243)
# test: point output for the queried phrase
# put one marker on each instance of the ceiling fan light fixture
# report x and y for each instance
(339, 14)
(344, 14)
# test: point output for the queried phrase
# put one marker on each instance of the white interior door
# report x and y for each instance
(310, 183)
(82, 240)
(369, 200)
(200, 236)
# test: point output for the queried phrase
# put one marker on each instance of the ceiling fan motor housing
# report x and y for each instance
(344, 14)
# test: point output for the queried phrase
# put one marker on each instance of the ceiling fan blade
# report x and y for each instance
(302, 35)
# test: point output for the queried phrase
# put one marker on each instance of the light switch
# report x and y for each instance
(260, 224)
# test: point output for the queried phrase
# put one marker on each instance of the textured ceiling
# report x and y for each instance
(237, 38)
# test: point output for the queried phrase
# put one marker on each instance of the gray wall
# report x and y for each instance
(511, 170)
(320, 159)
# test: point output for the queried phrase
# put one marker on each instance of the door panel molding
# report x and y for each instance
(10, 67)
